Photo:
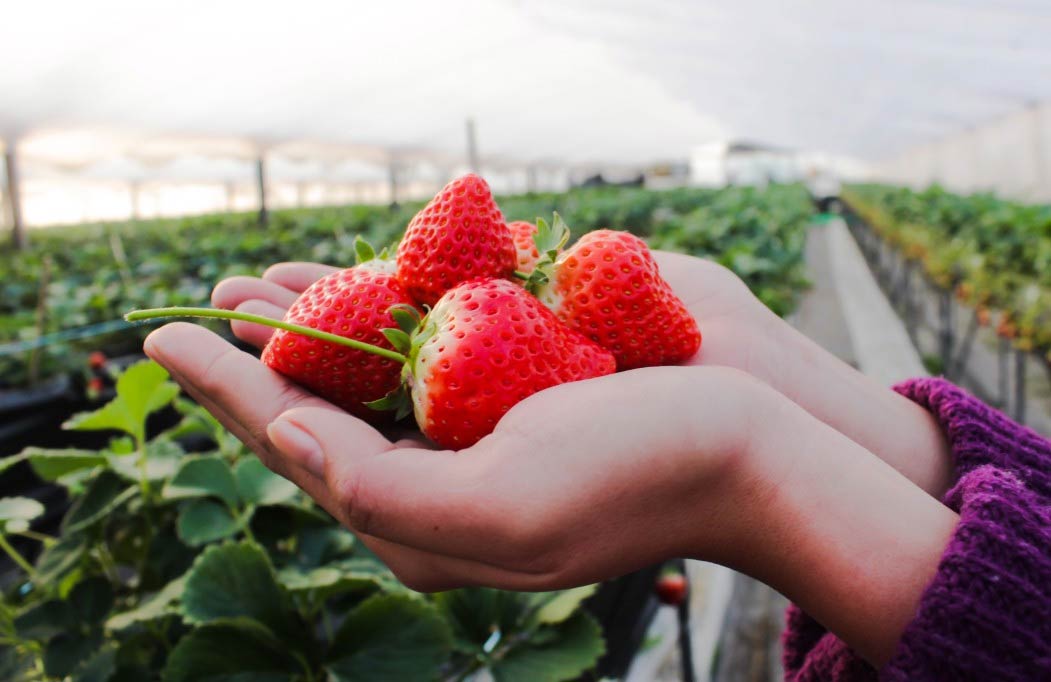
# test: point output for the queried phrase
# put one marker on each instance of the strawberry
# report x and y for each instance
(486, 345)
(671, 588)
(97, 359)
(352, 303)
(608, 287)
(459, 235)
(525, 246)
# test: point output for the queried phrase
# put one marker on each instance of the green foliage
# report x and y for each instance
(177, 262)
(992, 252)
(175, 566)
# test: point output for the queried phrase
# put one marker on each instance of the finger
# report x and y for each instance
(233, 291)
(221, 377)
(297, 276)
(437, 501)
(256, 334)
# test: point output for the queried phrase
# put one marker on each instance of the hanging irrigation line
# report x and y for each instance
(74, 334)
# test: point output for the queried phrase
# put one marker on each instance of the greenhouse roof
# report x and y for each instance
(573, 80)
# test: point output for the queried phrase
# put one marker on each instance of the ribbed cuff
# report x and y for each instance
(979, 435)
(987, 613)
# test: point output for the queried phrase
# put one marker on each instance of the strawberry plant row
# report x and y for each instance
(992, 254)
(92, 274)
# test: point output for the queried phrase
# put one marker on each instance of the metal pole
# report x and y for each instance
(472, 147)
(685, 639)
(14, 198)
(260, 172)
(1019, 406)
(946, 331)
(393, 183)
(1003, 372)
(136, 207)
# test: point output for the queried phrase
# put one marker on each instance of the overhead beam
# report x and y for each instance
(14, 198)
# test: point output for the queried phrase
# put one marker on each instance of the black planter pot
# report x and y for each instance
(624, 607)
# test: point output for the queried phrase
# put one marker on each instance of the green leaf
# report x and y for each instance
(65, 651)
(475, 613)
(201, 477)
(259, 486)
(235, 580)
(391, 638)
(105, 493)
(326, 581)
(575, 650)
(143, 388)
(555, 607)
(203, 521)
(318, 545)
(231, 650)
(157, 606)
(44, 620)
(163, 457)
(91, 600)
(52, 465)
(17, 512)
(99, 667)
(60, 558)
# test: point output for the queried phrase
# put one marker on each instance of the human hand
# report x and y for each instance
(704, 462)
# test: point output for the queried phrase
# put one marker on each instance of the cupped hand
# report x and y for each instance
(578, 483)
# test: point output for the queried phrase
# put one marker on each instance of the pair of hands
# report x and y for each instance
(726, 459)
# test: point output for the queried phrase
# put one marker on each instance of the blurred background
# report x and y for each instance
(114, 110)
(879, 173)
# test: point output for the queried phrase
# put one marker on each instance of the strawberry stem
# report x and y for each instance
(153, 313)
(521, 275)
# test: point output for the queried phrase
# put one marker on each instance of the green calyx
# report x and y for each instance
(409, 336)
(364, 251)
(549, 240)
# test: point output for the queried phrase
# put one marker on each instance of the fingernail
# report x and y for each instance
(297, 445)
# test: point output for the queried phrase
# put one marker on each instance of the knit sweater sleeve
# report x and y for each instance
(987, 613)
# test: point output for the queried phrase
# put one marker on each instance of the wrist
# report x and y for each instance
(840, 533)
(889, 425)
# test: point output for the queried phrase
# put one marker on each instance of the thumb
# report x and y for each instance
(439, 501)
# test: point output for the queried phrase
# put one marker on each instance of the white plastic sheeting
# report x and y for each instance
(1010, 156)
(557, 82)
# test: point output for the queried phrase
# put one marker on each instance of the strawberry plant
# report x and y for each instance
(188, 566)
(992, 252)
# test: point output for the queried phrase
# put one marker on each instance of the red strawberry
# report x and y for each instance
(485, 346)
(352, 303)
(671, 588)
(458, 236)
(525, 246)
(96, 359)
(608, 287)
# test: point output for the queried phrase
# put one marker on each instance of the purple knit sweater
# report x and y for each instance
(987, 613)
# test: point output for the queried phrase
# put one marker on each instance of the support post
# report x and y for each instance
(1003, 348)
(231, 195)
(14, 198)
(1019, 406)
(685, 636)
(135, 189)
(260, 172)
(946, 331)
(393, 183)
(472, 147)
